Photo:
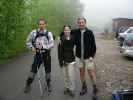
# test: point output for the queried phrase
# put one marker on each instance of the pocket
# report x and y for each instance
(89, 65)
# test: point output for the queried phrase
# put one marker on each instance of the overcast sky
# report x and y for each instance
(100, 12)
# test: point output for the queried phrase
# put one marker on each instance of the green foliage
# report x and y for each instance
(11, 25)
(19, 17)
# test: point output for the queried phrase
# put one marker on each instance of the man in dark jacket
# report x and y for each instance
(85, 53)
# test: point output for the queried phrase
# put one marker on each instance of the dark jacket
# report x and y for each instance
(66, 51)
(89, 43)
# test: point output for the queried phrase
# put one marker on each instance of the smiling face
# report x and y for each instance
(81, 22)
(67, 31)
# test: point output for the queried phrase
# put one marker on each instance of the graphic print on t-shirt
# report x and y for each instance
(41, 42)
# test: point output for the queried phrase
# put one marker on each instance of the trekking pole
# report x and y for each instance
(40, 85)
(45, 85)
(43, 70)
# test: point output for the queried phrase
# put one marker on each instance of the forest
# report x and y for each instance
(19, 17)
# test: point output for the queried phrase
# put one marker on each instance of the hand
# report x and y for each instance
(61, 63)
(33, 50)
(91, 59)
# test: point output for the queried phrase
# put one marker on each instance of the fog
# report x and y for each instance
(99, 13)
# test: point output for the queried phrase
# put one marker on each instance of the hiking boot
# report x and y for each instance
(71, 94)
(84, 89)
(95, 89)
(27, 89)
(49, 88)
(28, 83)
(48, 82)
(66, 91)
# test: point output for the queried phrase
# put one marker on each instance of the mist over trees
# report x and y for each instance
(19, 17)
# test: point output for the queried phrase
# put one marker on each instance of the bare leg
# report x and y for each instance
(82, 77)
(92, 74)
(82, 74)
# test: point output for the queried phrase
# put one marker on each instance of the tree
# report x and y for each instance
(19, 17)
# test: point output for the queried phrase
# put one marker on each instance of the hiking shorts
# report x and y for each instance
(85, 63)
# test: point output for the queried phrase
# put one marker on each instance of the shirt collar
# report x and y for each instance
(84, 30)
(41, 31)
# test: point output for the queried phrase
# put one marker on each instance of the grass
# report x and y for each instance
(2, 61)
(11, 55)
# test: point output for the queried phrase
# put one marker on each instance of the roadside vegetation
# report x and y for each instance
(19, 17)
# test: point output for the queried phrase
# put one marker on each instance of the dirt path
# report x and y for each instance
(113, 71)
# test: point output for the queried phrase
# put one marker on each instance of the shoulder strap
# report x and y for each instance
(34, 39)
(46, 34)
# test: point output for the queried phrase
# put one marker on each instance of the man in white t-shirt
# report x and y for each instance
(40, 41)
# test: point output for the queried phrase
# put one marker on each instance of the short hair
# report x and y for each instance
(81, 18)
(41, 19)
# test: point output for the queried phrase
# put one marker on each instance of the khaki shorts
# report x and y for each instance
(85, 63)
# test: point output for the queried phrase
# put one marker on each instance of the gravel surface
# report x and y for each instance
(114, 72)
